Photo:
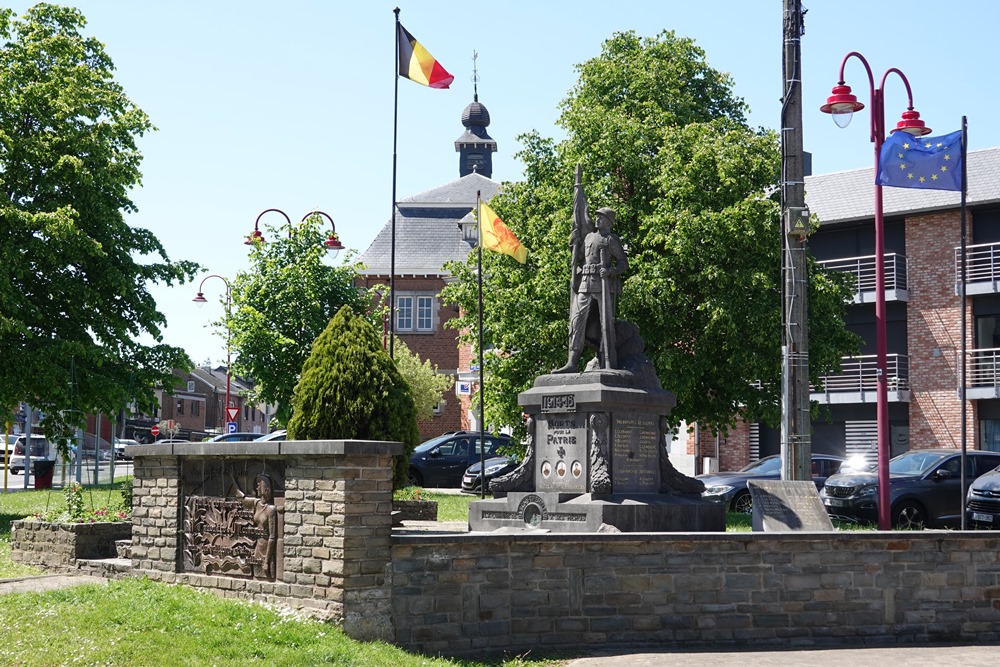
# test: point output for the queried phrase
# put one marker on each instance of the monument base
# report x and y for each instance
(591, 513)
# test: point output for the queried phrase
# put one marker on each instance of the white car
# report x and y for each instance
(41, 449)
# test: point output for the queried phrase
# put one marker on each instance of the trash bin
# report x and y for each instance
(43, 472)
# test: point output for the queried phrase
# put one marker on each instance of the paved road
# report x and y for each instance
(959, 655)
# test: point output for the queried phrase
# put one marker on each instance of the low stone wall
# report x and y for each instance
(475, 593)
(416, 510)
(57, 546)
(470, 594)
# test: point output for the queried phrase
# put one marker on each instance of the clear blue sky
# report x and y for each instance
(290, 105)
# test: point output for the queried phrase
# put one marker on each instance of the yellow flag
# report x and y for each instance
(494, 235)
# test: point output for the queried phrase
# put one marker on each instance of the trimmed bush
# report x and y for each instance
(351, 389)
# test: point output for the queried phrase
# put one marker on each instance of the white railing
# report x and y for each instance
(982, 263)
(984, 367)
(860, 374)
(863, 270)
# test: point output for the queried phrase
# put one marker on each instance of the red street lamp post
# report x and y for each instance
(842, 104)
(332, 242)
(201, 300)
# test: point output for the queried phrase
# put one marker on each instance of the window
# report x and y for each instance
(404, 313)
(415, 312)
(180, 407)
(195, 408)
(425, 316)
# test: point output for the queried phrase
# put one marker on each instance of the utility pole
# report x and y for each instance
(796, 444)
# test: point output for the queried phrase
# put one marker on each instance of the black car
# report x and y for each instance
(925, 489)
(731, 487)
(982, 504)
(495, 467)
(441, 461)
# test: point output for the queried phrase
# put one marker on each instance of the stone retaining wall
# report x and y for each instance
(476, 593)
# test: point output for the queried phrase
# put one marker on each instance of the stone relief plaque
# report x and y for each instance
(561, 452)
(238, 530)
(635, 453)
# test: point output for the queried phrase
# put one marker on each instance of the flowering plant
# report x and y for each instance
(77, 512)
(407, 493)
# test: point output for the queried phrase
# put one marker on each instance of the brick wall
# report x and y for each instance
(476, 593)
(57, 546)
(934, 324)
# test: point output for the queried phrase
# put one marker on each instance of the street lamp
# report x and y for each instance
(332, 242)
(201, 300)
(842, 104)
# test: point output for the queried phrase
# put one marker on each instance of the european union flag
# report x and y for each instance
(930, 163)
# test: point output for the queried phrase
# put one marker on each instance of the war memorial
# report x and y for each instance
(595, 541)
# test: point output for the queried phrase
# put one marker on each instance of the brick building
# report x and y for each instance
(432, 228)
(923, 318)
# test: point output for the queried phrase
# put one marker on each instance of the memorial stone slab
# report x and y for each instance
(781, 506)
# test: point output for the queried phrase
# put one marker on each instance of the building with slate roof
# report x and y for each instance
(923, 317)
(432, 228)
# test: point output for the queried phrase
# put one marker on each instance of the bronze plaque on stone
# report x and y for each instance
(561, 452)
(787, 506)
(635, 453)
(239, 532)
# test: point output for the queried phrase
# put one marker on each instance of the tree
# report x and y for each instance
(74, 276)
(351, 389)
(662, 140)
(281, 304)
(427, 385)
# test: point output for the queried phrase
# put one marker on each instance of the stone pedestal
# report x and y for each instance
(597, 458)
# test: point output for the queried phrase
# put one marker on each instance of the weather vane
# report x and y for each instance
(475, 78)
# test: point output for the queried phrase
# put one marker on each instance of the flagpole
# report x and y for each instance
(961, 299)
(482, 374)
(392, 219)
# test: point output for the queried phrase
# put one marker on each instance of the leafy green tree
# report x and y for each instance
(663, 140)
(281, 304)
(351, 389)
(427, 385)
(74, 276)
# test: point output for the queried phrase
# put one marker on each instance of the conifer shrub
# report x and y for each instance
(350, 389)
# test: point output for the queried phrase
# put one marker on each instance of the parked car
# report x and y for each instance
(41, 449)
(442, 461)
(731, 487)
(235, 437)
(495, 467)
(925, 489)
(273, 436)
(120, 445)
(982, 504)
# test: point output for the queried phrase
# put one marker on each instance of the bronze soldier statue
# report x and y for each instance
(598, 262)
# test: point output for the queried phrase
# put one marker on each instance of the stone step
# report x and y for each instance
(109, 568)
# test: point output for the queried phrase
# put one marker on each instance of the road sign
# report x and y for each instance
(155, 430)
(231, 427)
(232, 413)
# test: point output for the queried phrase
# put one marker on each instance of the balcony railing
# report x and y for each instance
(982, 268)
(860, 375)
(863, 270)
(984, 368)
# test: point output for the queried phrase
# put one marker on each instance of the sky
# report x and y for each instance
(289, 105)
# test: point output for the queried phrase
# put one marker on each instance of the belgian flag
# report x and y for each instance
(416, 64)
